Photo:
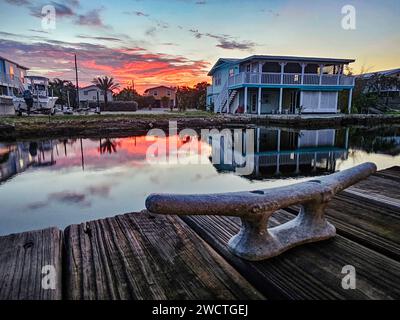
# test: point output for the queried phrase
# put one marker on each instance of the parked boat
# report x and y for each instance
(42, 102)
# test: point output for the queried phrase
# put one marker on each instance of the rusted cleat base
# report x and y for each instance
(277, 240)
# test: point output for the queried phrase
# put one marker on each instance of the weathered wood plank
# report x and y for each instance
(392, 173)
(371, 222)
(373, 199)
(373, 225)
(378, 186)
(311, 271)
(22, 257)
(139, 256)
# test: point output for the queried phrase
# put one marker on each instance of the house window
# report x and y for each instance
(85, 93)
(169, 93)
(248, 68)
(231, 72)
(155, 93)
(11, 72)
(217, 79)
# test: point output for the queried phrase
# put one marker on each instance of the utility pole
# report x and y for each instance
(77, 83)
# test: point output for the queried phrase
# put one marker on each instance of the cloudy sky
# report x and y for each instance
(175, 42)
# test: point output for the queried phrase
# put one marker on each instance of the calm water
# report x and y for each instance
(59, 182)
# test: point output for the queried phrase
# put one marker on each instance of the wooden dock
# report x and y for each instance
(144, 256)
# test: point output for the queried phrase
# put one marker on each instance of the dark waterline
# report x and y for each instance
(60, 182)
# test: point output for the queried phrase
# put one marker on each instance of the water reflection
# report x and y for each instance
(289, 153)
(64, 181)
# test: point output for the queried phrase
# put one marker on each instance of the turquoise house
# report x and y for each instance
(262, 84)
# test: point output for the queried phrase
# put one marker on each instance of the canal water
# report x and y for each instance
(65, 181)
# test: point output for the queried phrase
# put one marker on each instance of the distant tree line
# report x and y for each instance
(192, 97)
(186, 97)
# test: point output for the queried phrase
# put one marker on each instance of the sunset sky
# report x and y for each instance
(176, 42)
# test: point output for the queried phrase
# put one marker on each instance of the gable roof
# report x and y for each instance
(90, 86)
(170, 88)
(226, 61)
(17, 64)
(384, 73)
(220, 62)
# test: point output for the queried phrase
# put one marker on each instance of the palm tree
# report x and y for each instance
(105, 84)
(108, 146)
(59, 88)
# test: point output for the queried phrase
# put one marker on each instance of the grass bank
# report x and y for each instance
(13, 127)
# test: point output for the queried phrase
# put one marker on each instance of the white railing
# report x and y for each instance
(347, 81)
(289, 79)
(292, 78)
(273, 78)
(311, 79)
(329, 79)
(10, 80)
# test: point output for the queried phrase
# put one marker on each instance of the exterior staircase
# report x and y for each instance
(225, 99)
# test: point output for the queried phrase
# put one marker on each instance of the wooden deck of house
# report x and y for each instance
(143, 256)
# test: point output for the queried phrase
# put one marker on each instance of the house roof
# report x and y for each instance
(17, 64)
(225, 61)
(87, 87)
(384, 72)
(170, 88)
(37, 78)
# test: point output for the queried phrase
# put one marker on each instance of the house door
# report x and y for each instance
(253, 102)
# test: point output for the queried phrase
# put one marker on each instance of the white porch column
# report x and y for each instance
(280, 99)
(259, 101)
(350, 101)
(339, 73)
(283, 64)
(303, 67)
(257, 156)
(301, 99)
(298, 155)
(321, 72)
(278, 153)
(245, 100)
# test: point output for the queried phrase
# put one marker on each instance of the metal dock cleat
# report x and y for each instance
(255, 241)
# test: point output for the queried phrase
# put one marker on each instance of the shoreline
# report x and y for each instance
(15, 128)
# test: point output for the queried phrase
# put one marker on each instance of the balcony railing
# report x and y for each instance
(290, 79)
(10, 80)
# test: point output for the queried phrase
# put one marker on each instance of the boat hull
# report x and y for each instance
(44, 105)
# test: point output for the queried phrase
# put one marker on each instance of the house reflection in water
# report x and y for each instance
(15, 158)
(287, 153)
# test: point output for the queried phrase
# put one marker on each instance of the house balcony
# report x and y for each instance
(290, 79)
(10, 80)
